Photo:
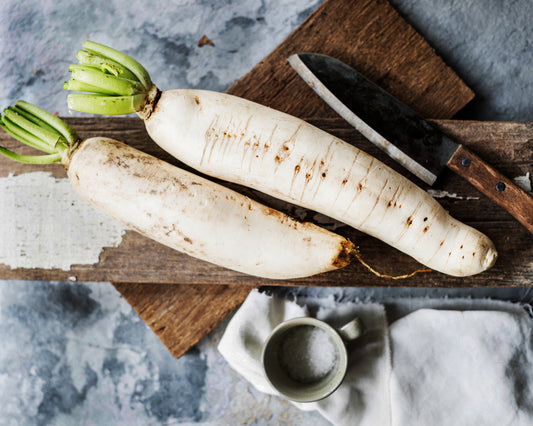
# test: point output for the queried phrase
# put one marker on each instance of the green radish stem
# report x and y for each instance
(117, 83)
(38, 129)
(107, 105)
(31, 159)
(97, 61)
(109, 83)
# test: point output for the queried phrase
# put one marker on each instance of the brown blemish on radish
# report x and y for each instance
(347, 252)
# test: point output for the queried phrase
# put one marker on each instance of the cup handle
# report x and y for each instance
(352, 330)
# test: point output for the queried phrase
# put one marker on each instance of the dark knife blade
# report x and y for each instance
(385, 121)
(405, 136)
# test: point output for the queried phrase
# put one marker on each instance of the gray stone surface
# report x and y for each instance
(76, 353)
(489, 44)
(40, 40)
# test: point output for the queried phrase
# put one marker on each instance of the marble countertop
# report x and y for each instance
(76, 353)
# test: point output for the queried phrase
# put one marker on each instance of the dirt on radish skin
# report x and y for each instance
(174, 207)
(200, 218)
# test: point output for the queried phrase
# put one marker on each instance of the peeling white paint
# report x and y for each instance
(524, 182)
(45, 224)
(437, 193)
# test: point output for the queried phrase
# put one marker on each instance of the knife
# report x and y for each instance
(405, 136)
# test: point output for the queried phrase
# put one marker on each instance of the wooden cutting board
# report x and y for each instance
(372, 37)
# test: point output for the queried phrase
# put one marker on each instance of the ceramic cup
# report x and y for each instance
(306, 359)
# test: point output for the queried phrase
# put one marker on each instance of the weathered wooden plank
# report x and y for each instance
(140, 260)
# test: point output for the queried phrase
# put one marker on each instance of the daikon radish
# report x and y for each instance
(177, 208)
(253, 145)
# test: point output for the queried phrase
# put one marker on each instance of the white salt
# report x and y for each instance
(307, 354)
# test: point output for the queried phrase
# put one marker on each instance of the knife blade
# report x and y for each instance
(406, 137)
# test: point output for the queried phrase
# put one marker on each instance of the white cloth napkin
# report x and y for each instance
(435, 366)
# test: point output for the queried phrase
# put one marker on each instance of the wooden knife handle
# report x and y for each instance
(494, 185)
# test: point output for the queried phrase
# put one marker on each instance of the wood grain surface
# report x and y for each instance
(371, 36)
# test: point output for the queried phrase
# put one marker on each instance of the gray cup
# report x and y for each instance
(306, 359)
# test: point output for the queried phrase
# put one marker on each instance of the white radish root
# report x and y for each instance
(243, 142)
(200, 218)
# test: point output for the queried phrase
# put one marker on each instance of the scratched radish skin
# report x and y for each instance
(182, 210)
(278, 154)
(239, 141)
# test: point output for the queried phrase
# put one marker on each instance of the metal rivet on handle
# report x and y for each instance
(500, 186)
(466, 162)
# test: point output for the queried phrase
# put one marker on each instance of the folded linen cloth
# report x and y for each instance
(429, 367)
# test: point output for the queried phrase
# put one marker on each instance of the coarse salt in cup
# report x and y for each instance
(306, 359)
